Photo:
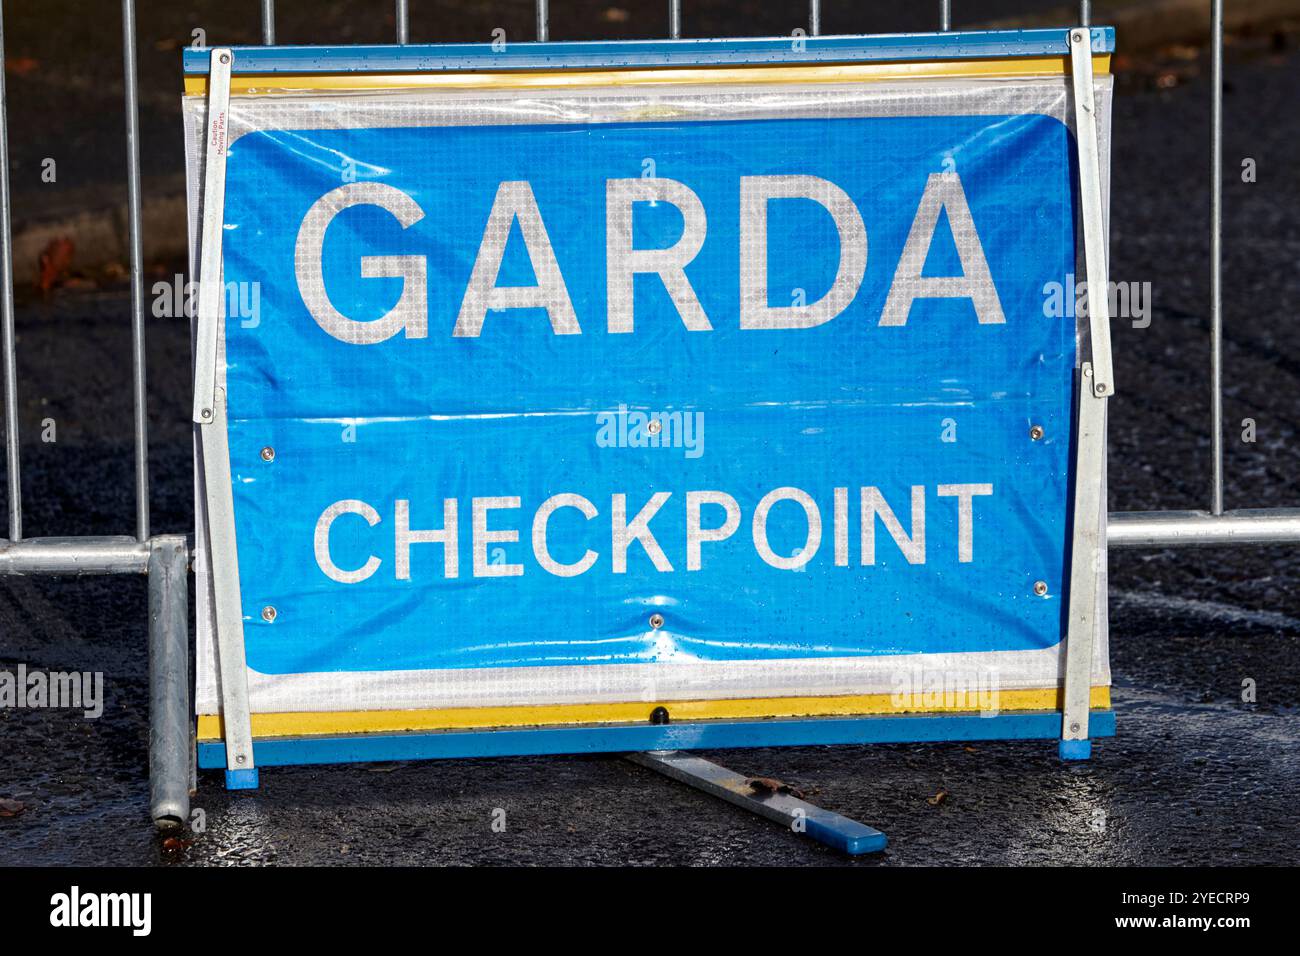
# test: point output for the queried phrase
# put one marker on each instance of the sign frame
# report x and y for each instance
(240, 754)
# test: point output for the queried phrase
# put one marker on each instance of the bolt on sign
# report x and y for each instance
(709, 378)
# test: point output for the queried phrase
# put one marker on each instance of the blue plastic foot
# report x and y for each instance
(241, 779)
(1076, 749)
(847, 836)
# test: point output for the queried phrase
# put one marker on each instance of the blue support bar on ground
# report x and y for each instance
(781, 806)
(628, 738)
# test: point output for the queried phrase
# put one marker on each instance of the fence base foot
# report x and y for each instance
(1075, 749)
(841, 833)
(171, 732)
(241, 779)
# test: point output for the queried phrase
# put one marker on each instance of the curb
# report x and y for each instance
(100, 233)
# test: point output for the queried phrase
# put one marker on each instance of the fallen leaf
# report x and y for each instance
(22, 65)
(938, 798)
(54, 263)
(175, 844)
(772, 785)
(11, 808)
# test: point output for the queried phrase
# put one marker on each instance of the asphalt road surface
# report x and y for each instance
(1196, 774)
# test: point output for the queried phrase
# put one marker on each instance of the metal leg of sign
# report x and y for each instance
(1085, 552)
(211, 289)
(241, 774)
(841, 833)
(171, 733)
(1096, 384)
(210, 414)
(1094, 229)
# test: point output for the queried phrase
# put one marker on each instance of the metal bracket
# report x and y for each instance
(826, 827)
(223, 564)
(1094, 230)
(1096, 384)
(211, 287)
(210, 414)
(1085, 552)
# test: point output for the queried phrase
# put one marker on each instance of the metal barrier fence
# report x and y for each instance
(165, 557)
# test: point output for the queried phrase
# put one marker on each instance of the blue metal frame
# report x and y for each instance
(626, 738)
(433, 57)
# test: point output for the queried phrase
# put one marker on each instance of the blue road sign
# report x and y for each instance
(649, 392)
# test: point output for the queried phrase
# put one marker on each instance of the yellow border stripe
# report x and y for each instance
(464, 718)
(254, 84)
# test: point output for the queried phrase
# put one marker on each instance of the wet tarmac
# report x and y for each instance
(1195, 775)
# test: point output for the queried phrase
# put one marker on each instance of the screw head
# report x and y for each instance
(225, 58)
(268, 453)
(1036, 432)
(656, 621)
(1040, 588)
(1074, 728)
(269, 614)
(659, 715)
(206, 413)
(654, 426)
(241, 759)
(1101, 388)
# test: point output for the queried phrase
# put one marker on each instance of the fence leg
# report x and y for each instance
(170, 731)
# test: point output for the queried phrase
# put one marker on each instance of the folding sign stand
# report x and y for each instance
(835, 831)
(659, 743)
(210, 415)
(1096, 385)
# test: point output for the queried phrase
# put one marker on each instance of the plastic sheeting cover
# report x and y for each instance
(520, 456)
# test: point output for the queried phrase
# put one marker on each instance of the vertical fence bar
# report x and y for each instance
(945, 15)
(403, 23)
(1085, 13)
(815, 17)
(675, 19)
(268, 22)
(543, 21)
(137, 273)
(1216, 253)
(13, 475)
